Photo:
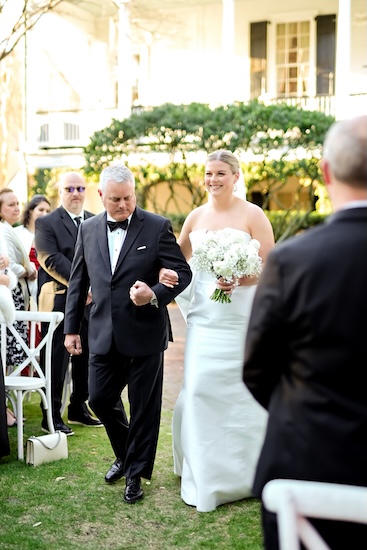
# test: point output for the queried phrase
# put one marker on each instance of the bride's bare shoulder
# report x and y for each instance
(196, 213)
(253, 209)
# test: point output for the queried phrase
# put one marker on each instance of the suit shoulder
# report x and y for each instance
(49, 218)
(307, 243)
(96, 218)
(93, 220)
(151, 216)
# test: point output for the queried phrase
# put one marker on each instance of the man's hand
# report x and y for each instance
(140, 293)
(73, 344)
(32, 275)
(89, 298)
(4, 261)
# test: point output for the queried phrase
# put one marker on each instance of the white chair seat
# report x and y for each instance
(28, 384)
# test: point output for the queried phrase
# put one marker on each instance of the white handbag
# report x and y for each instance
(46, 448)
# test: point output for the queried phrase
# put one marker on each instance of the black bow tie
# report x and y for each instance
(114, 225)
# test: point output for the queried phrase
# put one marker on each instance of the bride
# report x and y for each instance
(218, 428)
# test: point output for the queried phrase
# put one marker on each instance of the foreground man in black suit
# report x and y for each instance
(119, 254)
(306, 352)
(55, 239)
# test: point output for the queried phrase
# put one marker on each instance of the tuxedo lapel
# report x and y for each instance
(102, 240)
(135, 226)
(68, 223)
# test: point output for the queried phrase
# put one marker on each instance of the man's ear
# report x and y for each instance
(99, 192)
(325, 169)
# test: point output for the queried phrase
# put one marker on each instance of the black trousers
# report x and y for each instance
(339, 535)
(79, 373)
(59, 365)
(134, 442)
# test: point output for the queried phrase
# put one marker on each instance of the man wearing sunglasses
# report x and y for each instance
(55, 239)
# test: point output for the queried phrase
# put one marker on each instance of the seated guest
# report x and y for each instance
(7, 279)
(21, 266)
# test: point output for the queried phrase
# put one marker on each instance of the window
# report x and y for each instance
(71, 131)
(293, 58)
(325, 58)
(258, 54)
(44, 133)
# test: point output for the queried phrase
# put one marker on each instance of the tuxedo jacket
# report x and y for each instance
(149, 245)
(55, 239)
(306, 354)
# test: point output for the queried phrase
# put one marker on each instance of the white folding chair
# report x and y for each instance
(17, 386)
(294, 501)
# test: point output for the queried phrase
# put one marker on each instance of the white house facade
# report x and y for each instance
(90, 62)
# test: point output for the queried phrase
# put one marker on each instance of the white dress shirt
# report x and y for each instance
(115, 239)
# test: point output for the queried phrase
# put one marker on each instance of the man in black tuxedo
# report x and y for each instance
(55, 239)
(119, 254)
(306, 352)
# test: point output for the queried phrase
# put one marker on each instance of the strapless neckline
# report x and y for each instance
(204, 230)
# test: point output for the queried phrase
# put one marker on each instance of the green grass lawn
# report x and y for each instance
(67, 504)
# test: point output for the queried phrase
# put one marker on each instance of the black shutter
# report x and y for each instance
(258, 47)
(325, 57)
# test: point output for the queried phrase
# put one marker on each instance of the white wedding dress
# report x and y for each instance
(218, 427)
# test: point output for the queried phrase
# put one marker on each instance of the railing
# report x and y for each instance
(322, 103)
(65, 129)
(68, 129)
(355, 104)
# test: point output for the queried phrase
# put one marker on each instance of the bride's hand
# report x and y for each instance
(228, 288)
(168, 277)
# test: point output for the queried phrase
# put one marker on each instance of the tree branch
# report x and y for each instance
(30, 15)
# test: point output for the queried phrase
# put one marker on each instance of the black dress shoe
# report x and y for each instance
(59, 427)
(85, 420)
(133, 491)
(115, 472)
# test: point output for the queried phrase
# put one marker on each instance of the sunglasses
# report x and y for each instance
(80, 189)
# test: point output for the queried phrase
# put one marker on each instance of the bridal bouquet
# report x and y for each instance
(228, 254)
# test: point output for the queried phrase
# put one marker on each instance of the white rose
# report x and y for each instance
(220, 268)
(255, 243)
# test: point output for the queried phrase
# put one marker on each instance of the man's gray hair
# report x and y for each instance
(345, 150)
(118, 173)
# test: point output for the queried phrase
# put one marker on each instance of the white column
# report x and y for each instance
(145, 83)
(228, 28)
(124, 63)
(228, 46)
(342, 69)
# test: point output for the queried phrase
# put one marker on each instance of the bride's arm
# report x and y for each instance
(169, 277)
(184, 238)
(260, 229)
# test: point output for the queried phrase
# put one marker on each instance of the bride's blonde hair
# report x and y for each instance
(229, 158)
(225, 156)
